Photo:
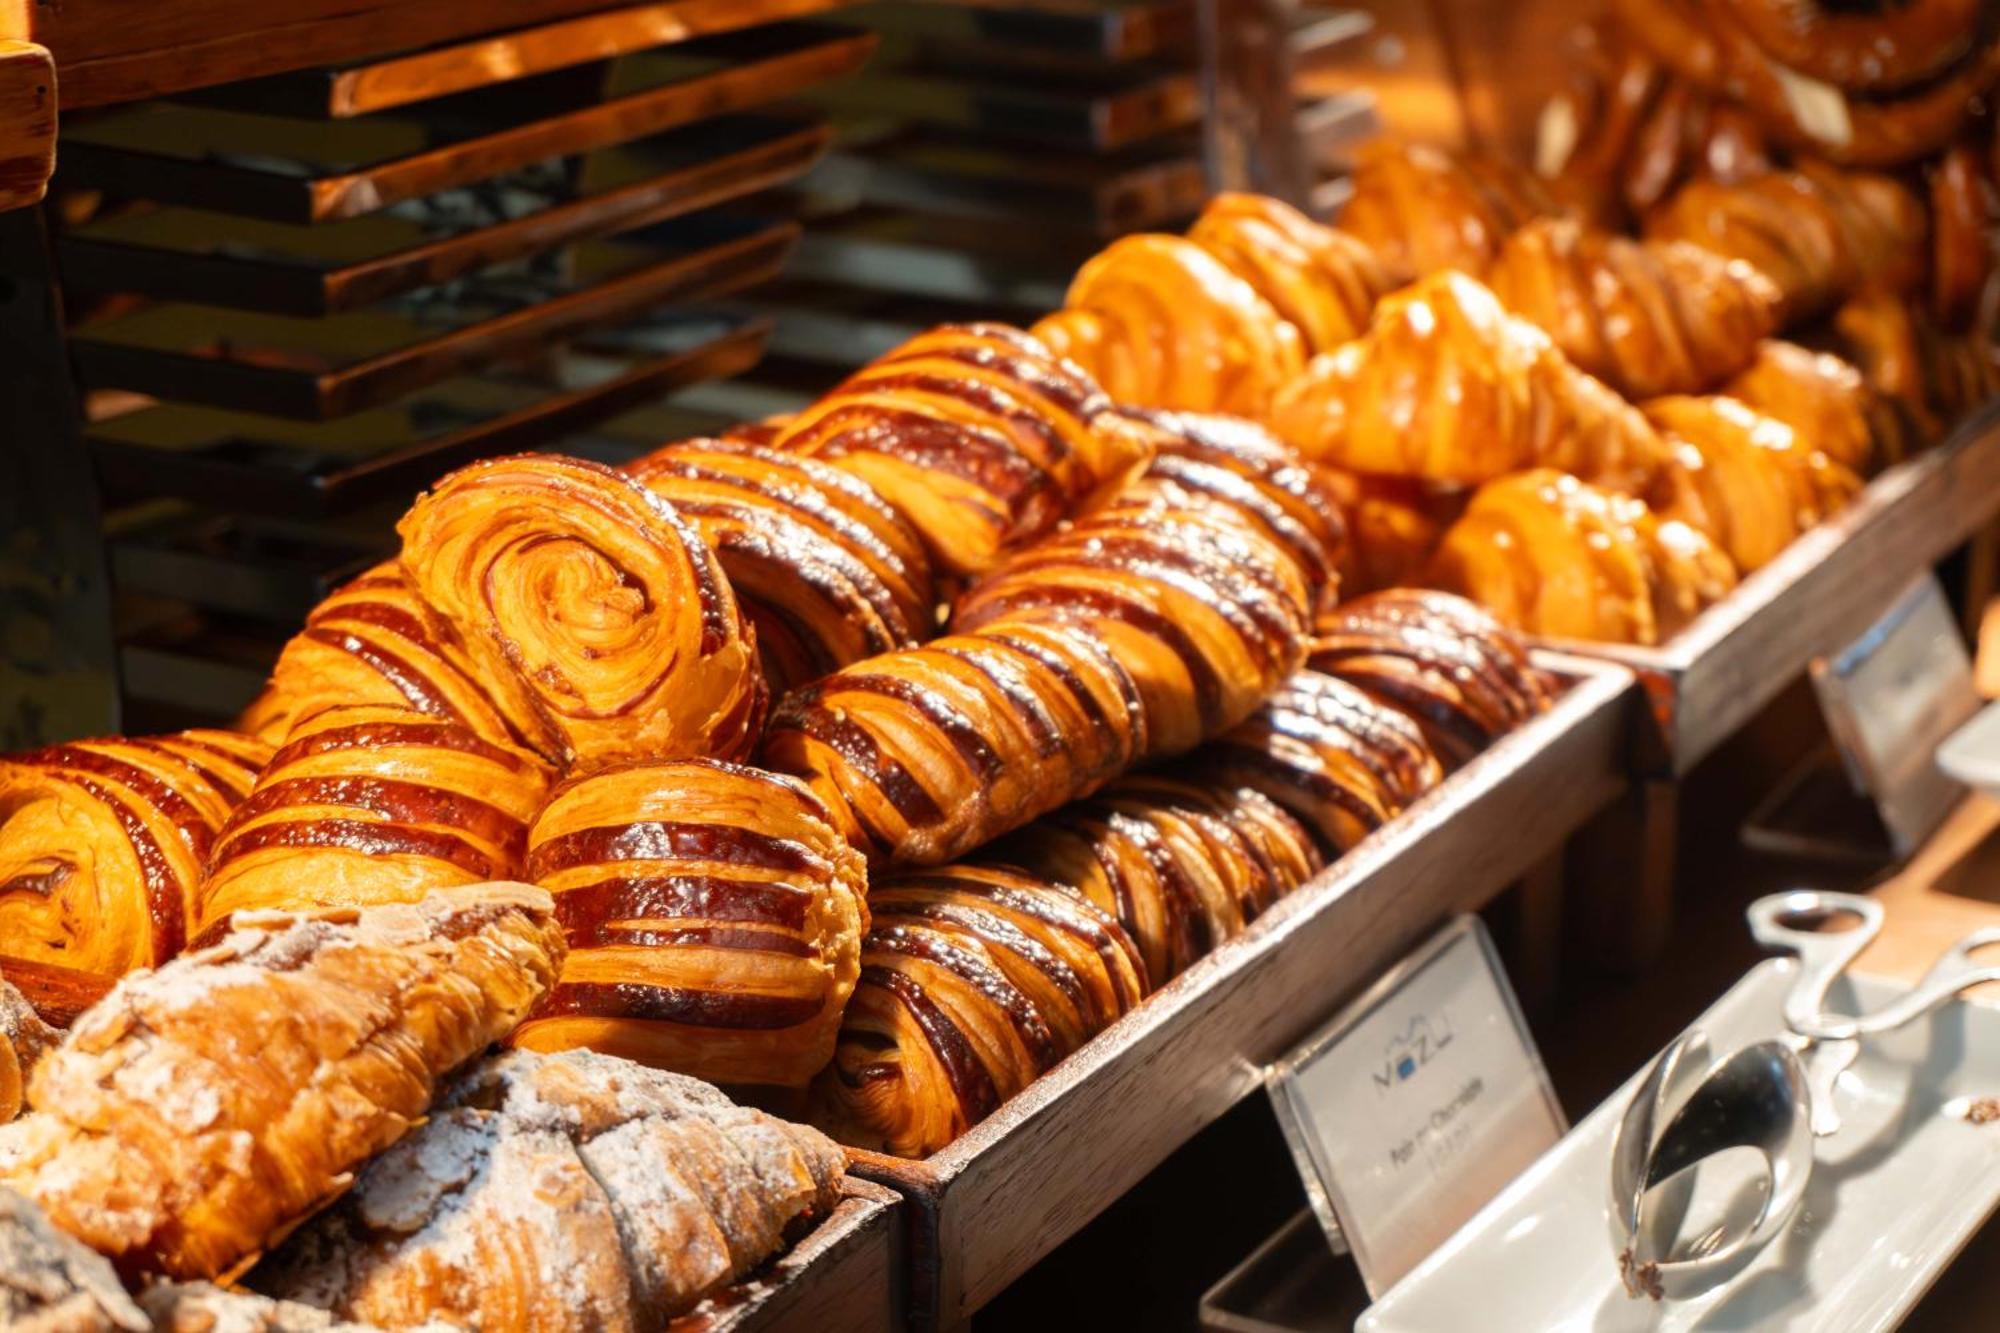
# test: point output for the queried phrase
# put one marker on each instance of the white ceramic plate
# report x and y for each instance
(1894, 1195)
(1972, 753)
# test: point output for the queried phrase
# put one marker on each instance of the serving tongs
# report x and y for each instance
(1771, 1097)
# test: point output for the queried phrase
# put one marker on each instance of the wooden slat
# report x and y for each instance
(1110, 31)
(1048, 1161)
(844, 1277)
(27, 123)
(794, 59)
(1136, 106)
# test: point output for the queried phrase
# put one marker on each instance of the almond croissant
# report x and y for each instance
(201, 1110)
(714, 917)
(24, 1040)
(595, 614)
(103, 843)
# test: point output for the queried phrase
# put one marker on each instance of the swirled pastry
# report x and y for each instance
(1824, 400)
(1205, 614)
(373, 804)
(1161, 322)
(572, 1193)
(1862, 48)
(103, 842)
(1421, 209)
(975, 979)
(1330, 754)
(1462, 676)
(1819, 234)
(1647, 318)
(1747, 480)
(596, 615)
(24, 1040)
(1449, 387)
(825, 570)
(714, 917)
(1323, 281)
(202, 1109)
(1553, 555)
(925, 753)
(374, 642)
(976, 434)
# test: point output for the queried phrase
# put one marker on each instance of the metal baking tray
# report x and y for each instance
(845, 1277)
(1031, 1175)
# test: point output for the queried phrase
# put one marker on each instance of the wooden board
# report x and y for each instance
(1819, 595)
(846, 1276)
(1115, 30)
(184, 254)
(1947, 890)
(1133, 104)
(27, 123)
(1034, 1173)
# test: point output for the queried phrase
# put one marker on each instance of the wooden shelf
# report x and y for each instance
(1032, 1174)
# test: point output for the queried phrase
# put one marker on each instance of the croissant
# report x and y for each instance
(1322, 281)
(1647, 318)
(1330, 754)
(52, 1283)
(373, 642)
(827, 573)
(1449, 387)
(1963, 206)
(1453, 668)
(976, 434)
(595, 614)
(24, 1040)
(925, 753)
(714, 918)
(975, 979)
(1824, 400)
(1161, 322)
(1204, 613)
(203, 1307)
(373, 804)
(1393, 525)
(102, 844)
(1421, 209)
(1181, 864)
(1553, 555)
(1818, 234)
(1933, 378)
(202, 1109)
(1747, 480)
(561, 1192)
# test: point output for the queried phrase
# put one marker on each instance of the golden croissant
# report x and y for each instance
(1161, 322)
(826, 571)
(980, 437)
(203, 1109)
(570, 1193)
(1747, 480)
(374, 642)
(1448, 387)
(1422, 209)
(1646, 317)
(1393, 525)
(373, 804)
(1825, 401)
(596, 615)
(1321, 280)
(714, 917)
(1552, 555)
(103, 844)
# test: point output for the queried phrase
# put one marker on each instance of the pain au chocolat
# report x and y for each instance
(596, 615)
(103, 844)
(714, 917)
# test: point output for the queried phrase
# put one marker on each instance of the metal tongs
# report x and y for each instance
(1772, 1097)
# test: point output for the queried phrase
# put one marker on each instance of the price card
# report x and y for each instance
(1889, 698)
(1416, 1104)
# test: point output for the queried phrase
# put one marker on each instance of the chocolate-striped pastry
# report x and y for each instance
(1205, 613)
(975, 979)
(373, 804)
(1460, 674)
(374, 642)
(596, 616)
(1324, 749)
(1324, 281)
(103, 844)
(976, 434)
(714, 917)
(1422, 209)
(825, 570)
(925, 753)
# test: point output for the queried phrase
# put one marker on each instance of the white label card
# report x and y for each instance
(1416, 1104)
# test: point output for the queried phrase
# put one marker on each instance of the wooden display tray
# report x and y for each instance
(948, 259)
(1106, 29)
(844, 1277)
(185, 254)
(1818, 596)
(289, 170)
(273, 466)
(241, 564)
(1041, 1167)
(316, 369)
